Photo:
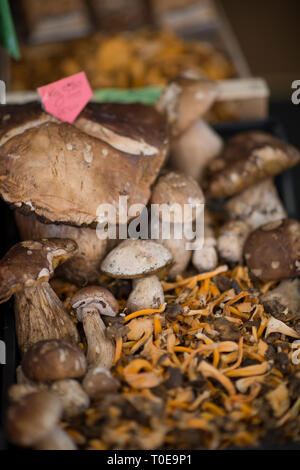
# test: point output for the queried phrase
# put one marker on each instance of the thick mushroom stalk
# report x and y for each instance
(90, 303)
(24, 272)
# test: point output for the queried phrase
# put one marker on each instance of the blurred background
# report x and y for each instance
(251, 47)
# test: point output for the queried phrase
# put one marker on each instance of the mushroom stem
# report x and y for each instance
(101, 349)
(40, 315)
(57, 439)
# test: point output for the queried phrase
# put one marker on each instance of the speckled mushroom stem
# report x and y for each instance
(40, 315)
(101, 349)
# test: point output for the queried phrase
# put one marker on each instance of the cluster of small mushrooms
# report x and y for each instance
(55, 175)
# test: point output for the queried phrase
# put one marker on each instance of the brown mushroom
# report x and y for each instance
(99, 381)
(63, 172)
(192, 151)
(257, 205)
(272, 252)
(53, 359)
(24, 272)
(32, 422)
(90, 303)
(147, 293)
(231, 240)
(75, 400)
(136, 258)
(185, 100)
(83, 267)
(248, 158)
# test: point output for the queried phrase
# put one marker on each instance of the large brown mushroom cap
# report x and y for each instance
(63, 172)
(30, 262)
(32, 417)
(54, 360)
(272, 252)
(248, 158)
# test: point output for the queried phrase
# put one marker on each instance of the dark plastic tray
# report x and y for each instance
(9, 236)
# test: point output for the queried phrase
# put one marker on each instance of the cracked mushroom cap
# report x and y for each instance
(136, 258)
(31, 418)
(54, 359)
(63, 172)
(272, 252)
(176, 188)
(30, 262)
(248, 158)
(95, 297)
(185, 100)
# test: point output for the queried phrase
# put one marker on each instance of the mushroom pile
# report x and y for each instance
(145, 343)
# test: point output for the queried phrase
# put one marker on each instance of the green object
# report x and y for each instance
(147, 95)
(8, 37)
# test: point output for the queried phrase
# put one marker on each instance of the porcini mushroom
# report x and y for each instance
(231, 240)
(147, 293)
(272, 252)
(32, 422)
(90, 303)
(185, 100)
(24, 272)
(248, 158)
(136, 258)
(257, 205)
(52, 360)
(75, 400)
(179, 200)
(109, 151)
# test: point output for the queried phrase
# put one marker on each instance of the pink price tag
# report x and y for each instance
(67, 97)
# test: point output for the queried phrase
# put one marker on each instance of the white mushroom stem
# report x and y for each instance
(277, 326)
(206, 258)
(195, 148)
(57, 439)
(231, 241)
(101, 349)
(147, 293)
(41, 315)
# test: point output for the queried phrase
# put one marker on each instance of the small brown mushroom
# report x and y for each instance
(53, 359)
(248, 158)
(272, 252)
(90, 303)
(257, 205)
(147, 293)
(231, 240)
(192, 151)
(99, 381)
(185, 100)
(136, 258)
(24, 272)
(32, 422)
